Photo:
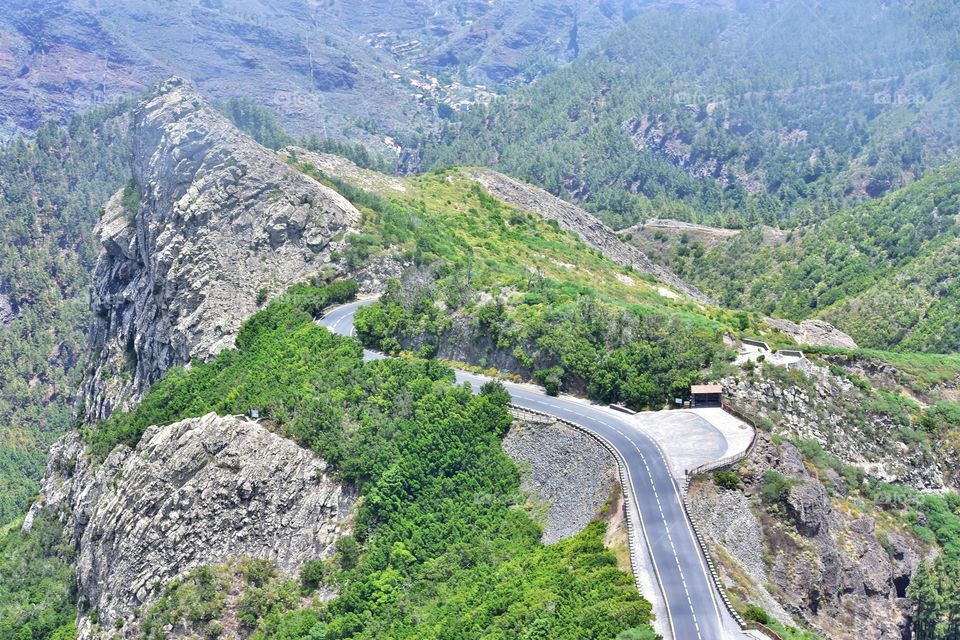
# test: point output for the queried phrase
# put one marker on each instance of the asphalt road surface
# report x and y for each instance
(693, 607)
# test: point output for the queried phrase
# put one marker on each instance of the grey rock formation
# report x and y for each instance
(7, 312)
(832, 568)
(813, 332)
(344, 169)
(568, 470)
(573, 218)
(68, 487)
(201, 492)
(218, 218)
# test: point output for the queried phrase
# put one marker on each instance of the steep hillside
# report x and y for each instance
(916, 309)
(436, 534)
(51, 191)
(796, 540)
(885, 272)
(774, 112)
(211, 226)
(500, 231)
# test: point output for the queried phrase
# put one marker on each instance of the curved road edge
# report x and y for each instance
(658, 514)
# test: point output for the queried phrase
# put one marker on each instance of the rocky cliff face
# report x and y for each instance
(197, 492)
(813, 556)
(211, 222)
(569, 472)
(200, 492)
(813, 332)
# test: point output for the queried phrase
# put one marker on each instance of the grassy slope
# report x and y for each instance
(445, 216)
(560, 309)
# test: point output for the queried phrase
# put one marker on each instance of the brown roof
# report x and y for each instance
(706, 388)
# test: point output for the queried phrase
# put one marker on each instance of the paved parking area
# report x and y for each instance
(691, 437)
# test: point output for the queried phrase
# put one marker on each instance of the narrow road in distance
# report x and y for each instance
(657, 513)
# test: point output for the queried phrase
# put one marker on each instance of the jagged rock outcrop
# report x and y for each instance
(211, 219)
(838, 570)
(727, 521)
(570, 472)
(653, 133)
(68, 488)
(573, 218)
(813, 332)
(347, 170)
(201, 491)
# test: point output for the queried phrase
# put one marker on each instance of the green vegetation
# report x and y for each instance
(52, 191)
(774, 490)
(726, 480)
(731, 116)
(536, 299)
(196, 600)
(933, 519)
(268, 372)
(445, 221)
(919, 373)
(883, 415)
(935, 587)
(636, 356)
(885, 271)
(440, 548)
(258, 122)
(37, 578)
(311, 576)
(757, 614)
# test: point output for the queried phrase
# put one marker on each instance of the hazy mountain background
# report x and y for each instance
(347, 69)
(757, 111)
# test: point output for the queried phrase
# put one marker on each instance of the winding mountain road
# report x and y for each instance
(659, 520)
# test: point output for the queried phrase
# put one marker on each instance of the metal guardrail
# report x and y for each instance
(764, 629)
(711, 568)
(523, 413)
(730, 460)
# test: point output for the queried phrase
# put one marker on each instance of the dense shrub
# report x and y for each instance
(639, 357)
(440, 549)
(37, 582)
(775, 488)
(757, 614)
(726, 480)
